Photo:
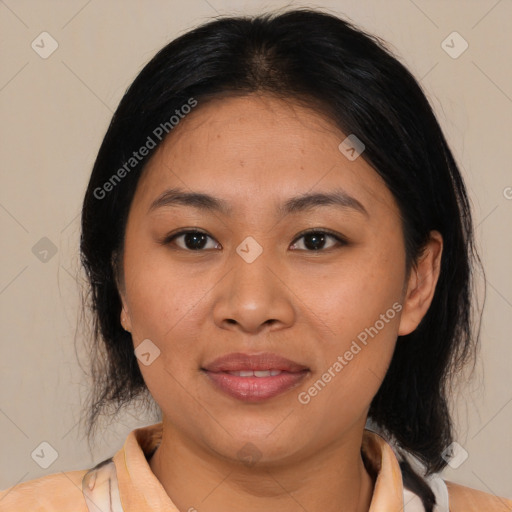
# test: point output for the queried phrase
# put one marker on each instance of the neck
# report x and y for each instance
(332, 479)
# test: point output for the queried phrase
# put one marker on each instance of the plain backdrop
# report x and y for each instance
(55, 111)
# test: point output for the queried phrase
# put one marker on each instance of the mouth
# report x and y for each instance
(254, 378)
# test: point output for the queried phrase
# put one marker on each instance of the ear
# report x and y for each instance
(421, 284)
(124, 317)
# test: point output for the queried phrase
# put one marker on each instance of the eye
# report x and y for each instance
(191, 240)
(314, 240)
(195, 240)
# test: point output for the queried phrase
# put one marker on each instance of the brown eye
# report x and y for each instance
(317, 240)
(192, 240)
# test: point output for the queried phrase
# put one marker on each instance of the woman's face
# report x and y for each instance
(251, 283)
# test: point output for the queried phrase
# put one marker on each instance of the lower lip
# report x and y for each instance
(255, 389)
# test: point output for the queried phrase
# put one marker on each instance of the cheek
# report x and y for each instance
(165, 305)
(353, 295)
(354, 364)
(360, 309)
(159, 292)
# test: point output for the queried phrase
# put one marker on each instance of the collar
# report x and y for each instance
(125, 483)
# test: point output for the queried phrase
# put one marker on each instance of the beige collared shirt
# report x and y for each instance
(125, 483)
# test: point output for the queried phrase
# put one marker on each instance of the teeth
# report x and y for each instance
(256, 373)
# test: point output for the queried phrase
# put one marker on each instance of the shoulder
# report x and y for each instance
(466, 499)
(58, 492)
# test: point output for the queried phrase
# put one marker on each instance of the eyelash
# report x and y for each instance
(341, 241)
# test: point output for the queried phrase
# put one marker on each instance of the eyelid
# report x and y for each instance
(337, 236)
(167, 238)
(175, 234)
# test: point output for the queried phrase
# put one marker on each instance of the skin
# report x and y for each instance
(255, 152)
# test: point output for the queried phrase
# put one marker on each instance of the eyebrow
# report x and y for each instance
(338, 197)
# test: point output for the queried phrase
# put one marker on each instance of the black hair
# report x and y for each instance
(328, 64)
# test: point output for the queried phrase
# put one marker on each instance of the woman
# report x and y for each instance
(279, 247)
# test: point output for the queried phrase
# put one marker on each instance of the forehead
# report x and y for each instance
(258, 147)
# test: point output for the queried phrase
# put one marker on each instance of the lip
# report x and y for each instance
(238, 361)
(252, 388)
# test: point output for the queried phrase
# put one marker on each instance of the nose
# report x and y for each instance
(254, 296)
